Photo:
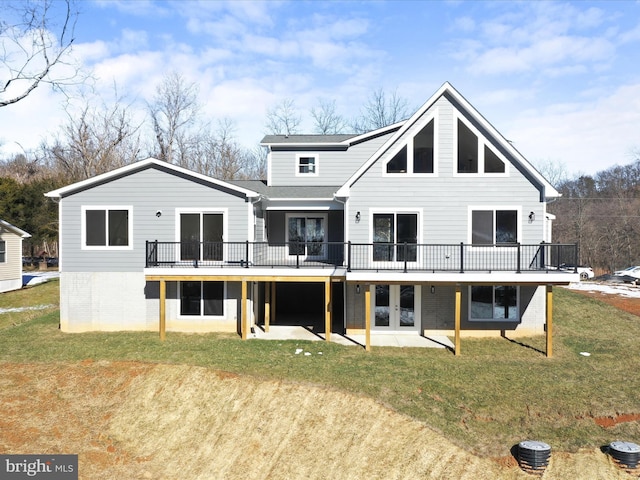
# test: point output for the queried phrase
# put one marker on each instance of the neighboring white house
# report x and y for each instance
(11, 256)
(434, 225)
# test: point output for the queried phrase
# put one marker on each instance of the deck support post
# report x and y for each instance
(163, 310)
(273, 302)
(267, 306)
(327, 315)
(244, 327)
(549, 323)
(457, 320)
(367, 318)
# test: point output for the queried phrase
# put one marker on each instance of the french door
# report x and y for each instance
(395, 308)
(306, 236)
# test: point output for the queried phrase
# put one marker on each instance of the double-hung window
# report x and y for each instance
(307, 164)
(494, 302)
(494, 226)
(106, 227)
(3, 251)
(202, 299)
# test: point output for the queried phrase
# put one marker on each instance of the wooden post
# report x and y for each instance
(327, 314)
(163, 311)
(367, 318)
(267, 306)
(457, 320)
(273, 302)
(549, 321)
(243, 320)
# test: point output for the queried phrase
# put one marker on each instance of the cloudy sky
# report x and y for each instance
(561, 80)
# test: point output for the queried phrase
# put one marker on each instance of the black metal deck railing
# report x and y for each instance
(404, 257)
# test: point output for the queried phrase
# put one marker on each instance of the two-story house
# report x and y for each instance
(434, 225)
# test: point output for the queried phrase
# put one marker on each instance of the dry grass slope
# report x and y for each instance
(149, 421)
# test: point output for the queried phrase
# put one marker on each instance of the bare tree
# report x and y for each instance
(326, 120)
(95, 141)
(174, 112)
(283, 119)
(554, 171)
(219, 155)
(34, 45)
(381, 110)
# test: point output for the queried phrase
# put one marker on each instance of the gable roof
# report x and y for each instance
(447, 89)
(289, 192)
(139, 166)
(14, 229)
(338, 140)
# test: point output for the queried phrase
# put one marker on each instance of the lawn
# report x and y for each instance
(497, 393)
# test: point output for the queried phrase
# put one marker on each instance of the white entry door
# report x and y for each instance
(395, 308)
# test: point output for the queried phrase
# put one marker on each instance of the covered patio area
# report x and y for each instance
(289, 332)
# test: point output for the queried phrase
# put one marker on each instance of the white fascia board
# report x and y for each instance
(294, 204)
(374, 133)
(497, 278)
(139, 166)
(15, 229)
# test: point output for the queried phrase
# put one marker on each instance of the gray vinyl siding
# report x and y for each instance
(334, 167)
(444, 199)
(147, 192)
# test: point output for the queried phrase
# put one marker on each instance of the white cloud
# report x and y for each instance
(586, 137)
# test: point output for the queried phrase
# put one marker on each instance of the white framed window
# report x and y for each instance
(494, 303)
(474, 154)
(307, 164)
(3, 251)
(307, 234)
(106, 227)
(418, 156)
(494, 226)
(395, 235)
(202, 299)
(201, 233)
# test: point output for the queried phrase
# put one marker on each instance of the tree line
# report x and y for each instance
(601, 213)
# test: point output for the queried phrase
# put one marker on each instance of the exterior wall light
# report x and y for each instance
(532, 217)
(357, 217)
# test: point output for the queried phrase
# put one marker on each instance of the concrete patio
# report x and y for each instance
(287, 332)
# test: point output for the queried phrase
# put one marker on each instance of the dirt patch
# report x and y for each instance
(139, 421)
(613, 421)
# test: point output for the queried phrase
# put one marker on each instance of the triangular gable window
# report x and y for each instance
(398, 164)
(475, 154)
(492, 164)
(417, 156)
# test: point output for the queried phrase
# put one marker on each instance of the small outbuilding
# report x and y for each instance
(11, 256)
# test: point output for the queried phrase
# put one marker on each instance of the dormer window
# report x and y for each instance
(307, 164)
(475, 156)
(417, 156)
